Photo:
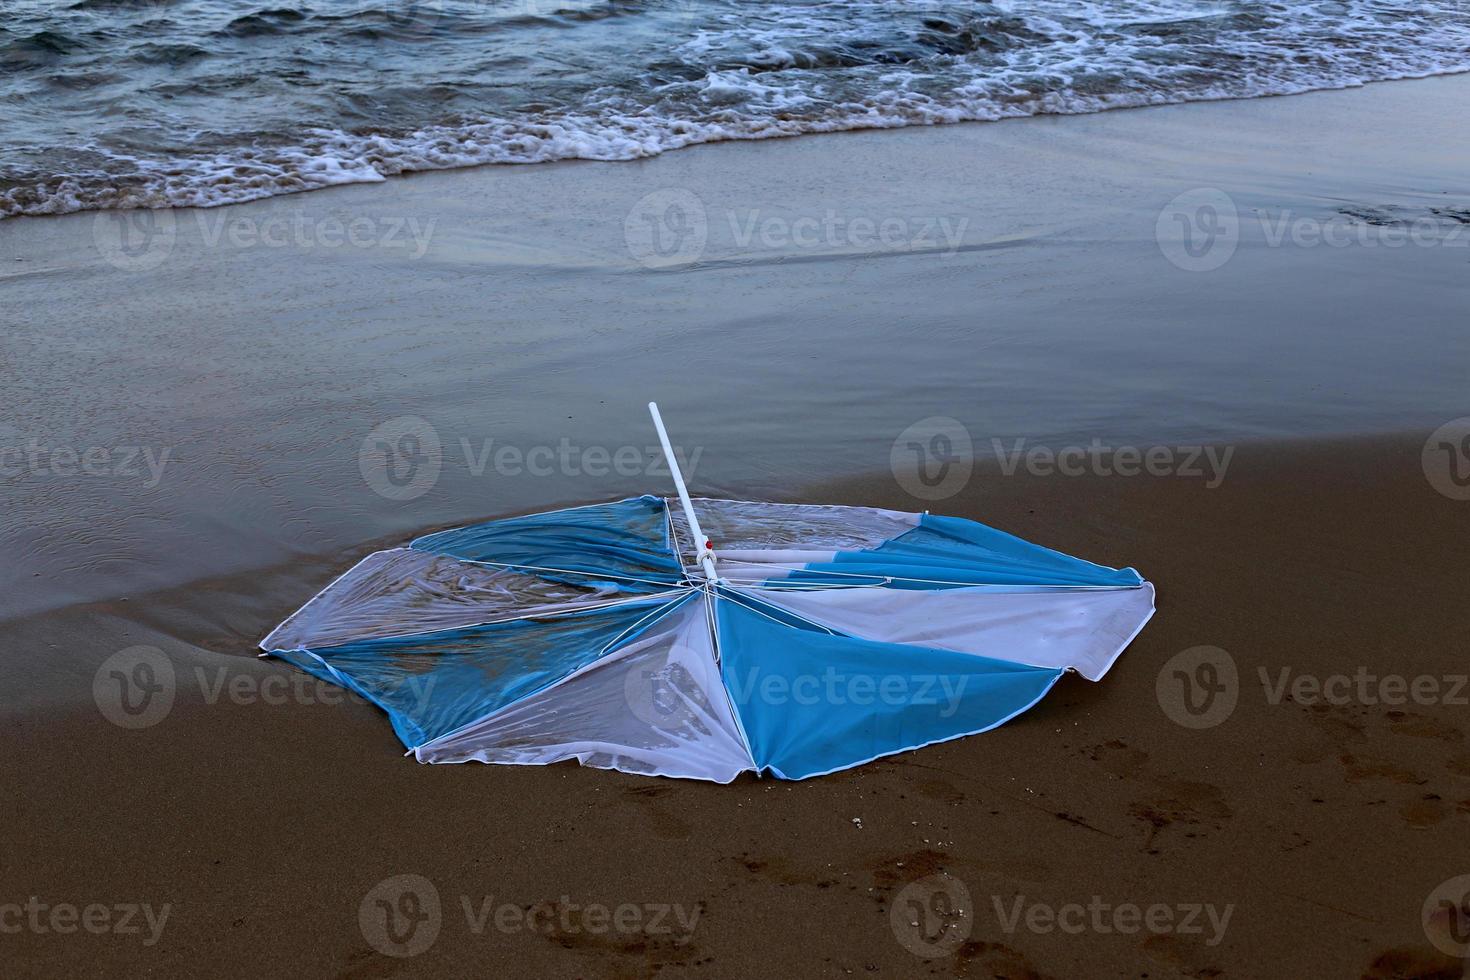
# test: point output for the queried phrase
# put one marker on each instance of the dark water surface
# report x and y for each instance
(202, 102)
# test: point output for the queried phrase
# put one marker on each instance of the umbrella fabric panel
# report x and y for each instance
(433, 683)
(400, 591)
(812, 702)
(654, 707)
(951, 552)
(625, 543)
(820, 544)
(1084, 629)
(736, 526)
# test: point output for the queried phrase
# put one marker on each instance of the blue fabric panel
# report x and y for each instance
(432, 683)
(954, 552)
(811, 702)
(622, 541)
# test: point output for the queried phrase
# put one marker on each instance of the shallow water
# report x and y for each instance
(272, 369)
(198, 102)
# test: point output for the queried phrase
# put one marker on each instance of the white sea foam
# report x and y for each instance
(729, 73)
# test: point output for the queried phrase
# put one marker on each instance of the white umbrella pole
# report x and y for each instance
(706, 553)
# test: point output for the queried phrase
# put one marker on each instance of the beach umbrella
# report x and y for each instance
(703, 638)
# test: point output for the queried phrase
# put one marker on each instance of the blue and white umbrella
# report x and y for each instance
(704, 638)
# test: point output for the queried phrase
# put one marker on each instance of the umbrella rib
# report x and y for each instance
(798, 586)
(655, 614)
(731, 593)
(882, 580)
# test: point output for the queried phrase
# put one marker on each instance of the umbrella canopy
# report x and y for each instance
(829, 637)
(817, 638)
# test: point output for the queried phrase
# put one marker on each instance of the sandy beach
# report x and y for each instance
(263, 819)
(211, 381)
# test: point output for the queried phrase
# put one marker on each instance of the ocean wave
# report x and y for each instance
(210, 127)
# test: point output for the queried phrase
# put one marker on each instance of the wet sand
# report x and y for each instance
(263, 818)
(1321, 829)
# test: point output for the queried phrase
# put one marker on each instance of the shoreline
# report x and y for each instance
(835, 130)
(308, 573)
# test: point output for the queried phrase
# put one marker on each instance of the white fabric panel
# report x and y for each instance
(655, 707)
(1085, 629)
(401, 591)
(746, 525)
